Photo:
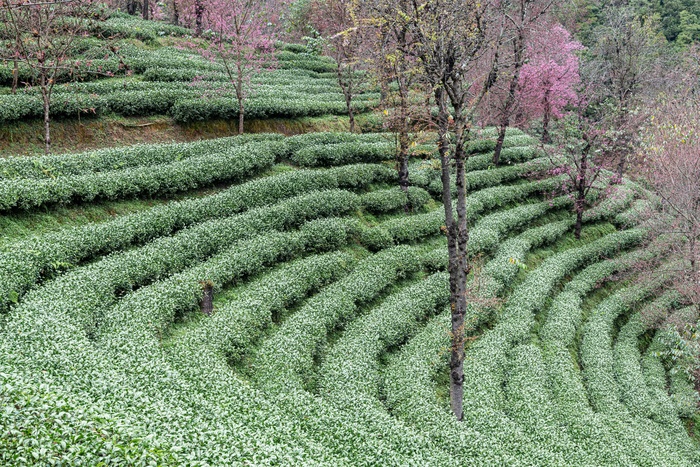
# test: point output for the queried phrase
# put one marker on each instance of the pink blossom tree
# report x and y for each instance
(239, 37)
(519, 20)
(549, 79)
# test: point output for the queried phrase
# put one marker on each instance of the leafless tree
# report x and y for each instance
(626, 54)
(452, 39)
(44, 33)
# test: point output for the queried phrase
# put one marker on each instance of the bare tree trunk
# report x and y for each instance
(146, 11)
(621, 165)
(546, 137)
(581, 184)
(240, 97)
(46, 97)
(351, 117)
(579, 221)
(457, 236)
(207, 303)
(15, 77)
(241, 116)
(176, 14)
(347, 93)
(403, 138)
(499, 141)
(47, 122)
(403, 167)
(519, 61)
(198, 13)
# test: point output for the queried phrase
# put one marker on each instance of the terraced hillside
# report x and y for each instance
(138, 76)
(328, 341)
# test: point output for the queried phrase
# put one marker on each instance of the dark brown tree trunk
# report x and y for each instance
(457, 236)
(509, 104)
(207, 303)
(241, 117)
(546, 138)
(403, 140)
(240, 97)
(198, 14)
(581, 184)
(351, 117)
(499, 142)
(347, 94)
(176, 14)
(579, 222)
(621, 166)
(146, 10)
(15, 77)
(46, 95)
(403, 169)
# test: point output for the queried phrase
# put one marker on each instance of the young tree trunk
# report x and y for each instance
(581, 184)
(240, 96)
(241, 117)
(579, 221)
(403, 136)
(176, 14)
(509, 104)
(206, 305)
(15, 77)
(457, 236)
(347, 93)
(47, 117)
(351, 117)
(546, 138)
(621, 166)
(198, 14)
(146, 11)
(403, 168)
(499, 141)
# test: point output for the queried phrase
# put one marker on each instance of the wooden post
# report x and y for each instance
(207, 303)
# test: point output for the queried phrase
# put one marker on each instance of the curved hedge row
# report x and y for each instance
(286, 360)
(410, 391)
(485, 373)
(343, 153)
(183, 103)
(490, 228)
(110, 159)
(627, 364)
(197, 109)
(350, 373)
(238, 323)
(25, 262)
(86, 436)
(116, 371)
(604, 390)
(233, 164)
(91, 288)
(291, 415)
(395, 198)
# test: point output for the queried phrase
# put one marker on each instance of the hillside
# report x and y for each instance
(329, 340)
(138, 81)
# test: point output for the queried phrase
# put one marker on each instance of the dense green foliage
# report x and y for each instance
(327, 342)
